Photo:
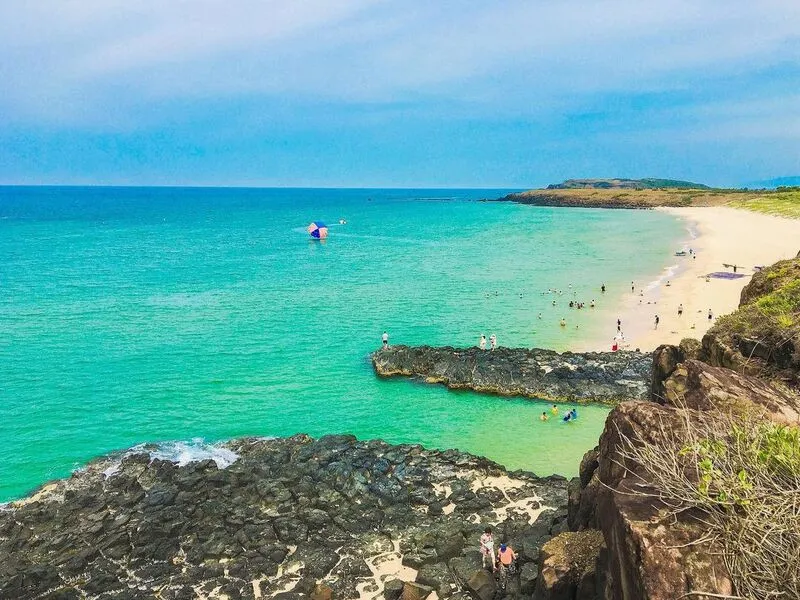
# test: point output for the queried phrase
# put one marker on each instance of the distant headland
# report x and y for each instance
(654, 192)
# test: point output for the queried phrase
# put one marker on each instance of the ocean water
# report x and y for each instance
(130, 315)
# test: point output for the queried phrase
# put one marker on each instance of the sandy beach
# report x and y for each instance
(717, 236)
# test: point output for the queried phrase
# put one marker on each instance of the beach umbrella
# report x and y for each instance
(318, 230)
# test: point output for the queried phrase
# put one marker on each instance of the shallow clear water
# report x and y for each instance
(142, 314)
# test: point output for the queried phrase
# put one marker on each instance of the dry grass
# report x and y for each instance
(744, 479)
(780, 203)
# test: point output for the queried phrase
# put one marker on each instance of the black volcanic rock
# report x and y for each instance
(290, 518)
(608, 377)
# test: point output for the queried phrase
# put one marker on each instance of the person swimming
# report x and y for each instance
(544, 416)
(567, 417)
(563, 322)
(574, 414)
(554, 410)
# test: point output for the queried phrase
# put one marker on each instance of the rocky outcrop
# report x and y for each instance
(567, 567)
(651, 554)
(762, 338)
(328, 519)
(702, 387)
(607, 377)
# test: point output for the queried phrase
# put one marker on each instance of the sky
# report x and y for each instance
(372, 93)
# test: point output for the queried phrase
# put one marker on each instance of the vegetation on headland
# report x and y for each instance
(766, 326)
(648, 183)
(742, 482)
(782, 201)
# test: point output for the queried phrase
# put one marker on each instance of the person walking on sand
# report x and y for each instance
(493, 341)
(487, 549)
(680, 309)
(657, 320)
(619, 325)
(385, 338)
(710, 315)
(632, 288)
(482, 343)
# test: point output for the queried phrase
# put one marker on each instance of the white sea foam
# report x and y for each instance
(183, 453)
(112, 470)
(666, 275)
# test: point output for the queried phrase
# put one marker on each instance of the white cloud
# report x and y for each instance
(100, 60)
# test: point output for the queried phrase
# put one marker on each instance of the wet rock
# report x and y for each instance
(608, 377)
(289, 512)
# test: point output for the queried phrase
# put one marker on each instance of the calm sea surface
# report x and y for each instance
(140, 314)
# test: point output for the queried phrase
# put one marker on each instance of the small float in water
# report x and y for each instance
(318, 230)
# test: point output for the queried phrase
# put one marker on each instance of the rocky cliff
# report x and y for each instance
(658, 545)
(287, 518)
(607, 377)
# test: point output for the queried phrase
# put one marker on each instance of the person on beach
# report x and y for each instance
(591, 304)
(632, 288)
(385, 338)
(603, 288)
(482, 342)
(493, 341)
(563, 322)
(554, 410)
(487, 548)
(657, 319)
(710, 315)
(619, 325)
(680, 309)
(544, 416)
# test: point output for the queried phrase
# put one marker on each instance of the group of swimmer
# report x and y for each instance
(572, 303)
(569, 415)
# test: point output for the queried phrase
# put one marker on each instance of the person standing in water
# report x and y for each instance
(603, 288)
(482, 343)
(544, 416)
(385, 338)
(493, 341)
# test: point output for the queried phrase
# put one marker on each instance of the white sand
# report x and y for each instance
(724, 236)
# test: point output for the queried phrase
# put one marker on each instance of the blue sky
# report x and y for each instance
(375, 93)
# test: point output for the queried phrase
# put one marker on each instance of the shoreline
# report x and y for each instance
(718, 236)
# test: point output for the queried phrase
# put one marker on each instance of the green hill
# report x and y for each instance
(648, 183)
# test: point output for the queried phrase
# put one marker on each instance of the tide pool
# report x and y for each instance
(142, 314)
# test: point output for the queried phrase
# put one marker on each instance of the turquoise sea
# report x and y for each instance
(140, 314)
